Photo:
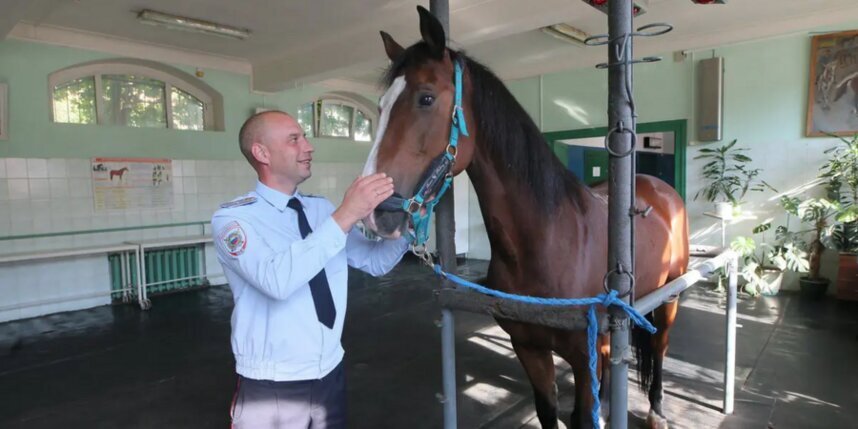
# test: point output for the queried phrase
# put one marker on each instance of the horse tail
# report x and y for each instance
(644, 354)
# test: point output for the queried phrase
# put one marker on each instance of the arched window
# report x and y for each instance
(134, 93)
(338, 115)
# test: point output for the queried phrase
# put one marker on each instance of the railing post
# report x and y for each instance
(445, 232)
(730, 348)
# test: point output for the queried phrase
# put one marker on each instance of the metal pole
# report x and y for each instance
(445, 231)
(730, 349)
(621, 200)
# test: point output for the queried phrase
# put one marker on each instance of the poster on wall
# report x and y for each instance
(832, 105)
(132, 183)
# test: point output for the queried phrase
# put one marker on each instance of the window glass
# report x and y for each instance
(134, 101)
(74, 101)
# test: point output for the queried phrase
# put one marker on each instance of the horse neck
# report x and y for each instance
(509, 208)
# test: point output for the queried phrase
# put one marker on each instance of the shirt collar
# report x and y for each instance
(276, 198)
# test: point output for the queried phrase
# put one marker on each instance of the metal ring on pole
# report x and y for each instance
(638, 61)
(603, 39)
(598, 40)
(665, 28)
(619, 271)
(622, 130)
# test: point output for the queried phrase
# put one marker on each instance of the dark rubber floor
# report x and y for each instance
(171, 366)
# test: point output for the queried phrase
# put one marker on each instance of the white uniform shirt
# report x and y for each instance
(275, 332)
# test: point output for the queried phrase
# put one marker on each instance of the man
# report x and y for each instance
(285, 255)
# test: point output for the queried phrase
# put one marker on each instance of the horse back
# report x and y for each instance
(661, 237)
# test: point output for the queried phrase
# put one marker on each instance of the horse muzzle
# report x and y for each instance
(387, 224)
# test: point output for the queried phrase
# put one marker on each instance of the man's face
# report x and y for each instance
(290, 154)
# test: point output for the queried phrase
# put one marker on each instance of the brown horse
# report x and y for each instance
(548, 232)
(120, 173)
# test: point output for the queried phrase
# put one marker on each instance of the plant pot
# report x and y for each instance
(772, 280)
(813, 289)
(768, 283)
(847, 277)
(724, 210)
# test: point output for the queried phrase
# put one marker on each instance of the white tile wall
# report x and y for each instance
(37, 168)
(40, 189)
(55, 195)
(16, 168)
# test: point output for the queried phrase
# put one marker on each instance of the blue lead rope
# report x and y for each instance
(605, 300)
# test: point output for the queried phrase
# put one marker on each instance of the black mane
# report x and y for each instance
(512, 138)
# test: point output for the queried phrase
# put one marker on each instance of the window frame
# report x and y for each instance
(331, 99)
(212, 118)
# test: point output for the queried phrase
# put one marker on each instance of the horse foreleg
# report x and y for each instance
(575, 352)
(663, 318)
(539, 366)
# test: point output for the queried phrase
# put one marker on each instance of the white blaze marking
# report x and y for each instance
(386, 104)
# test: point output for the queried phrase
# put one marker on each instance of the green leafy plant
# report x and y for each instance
(841, 174)
(729, 175)
(815, 213)
(760, 260)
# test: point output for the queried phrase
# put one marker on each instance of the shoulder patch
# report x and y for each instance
(239, 202)
(233, 238)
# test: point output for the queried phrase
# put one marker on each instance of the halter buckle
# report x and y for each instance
(456, 110)
(413, 206)
(452, 151)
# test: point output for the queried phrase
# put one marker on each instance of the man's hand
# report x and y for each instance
(362, 197)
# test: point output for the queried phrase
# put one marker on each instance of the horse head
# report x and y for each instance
(418, 119)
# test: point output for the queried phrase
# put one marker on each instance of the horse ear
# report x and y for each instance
(432, 31)
(393, 49)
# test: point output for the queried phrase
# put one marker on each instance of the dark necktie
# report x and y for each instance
(319, 288)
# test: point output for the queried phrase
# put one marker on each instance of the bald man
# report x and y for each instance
(285, 254)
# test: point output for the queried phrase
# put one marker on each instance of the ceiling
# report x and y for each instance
(297, 42)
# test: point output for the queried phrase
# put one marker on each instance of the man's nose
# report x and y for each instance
(308, 146)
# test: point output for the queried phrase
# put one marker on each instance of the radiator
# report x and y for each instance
(167, 270)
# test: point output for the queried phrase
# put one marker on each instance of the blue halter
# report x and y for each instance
(438, 175)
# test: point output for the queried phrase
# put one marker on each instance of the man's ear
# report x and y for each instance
(260, 153)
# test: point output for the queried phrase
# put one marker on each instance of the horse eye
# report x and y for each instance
(426, 100)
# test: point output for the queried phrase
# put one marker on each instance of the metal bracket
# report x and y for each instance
(638, 212)
(619, 270)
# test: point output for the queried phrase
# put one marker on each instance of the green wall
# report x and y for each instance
(25, 66)
(765, 99)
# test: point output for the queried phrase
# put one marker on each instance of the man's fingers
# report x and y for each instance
(371, 178)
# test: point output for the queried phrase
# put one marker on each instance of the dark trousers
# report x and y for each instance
(316, 404)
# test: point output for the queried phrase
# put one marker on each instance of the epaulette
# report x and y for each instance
(239, 202)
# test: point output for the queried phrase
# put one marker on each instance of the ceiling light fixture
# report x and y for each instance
(566, 33)
(639, 7)
(151, 17)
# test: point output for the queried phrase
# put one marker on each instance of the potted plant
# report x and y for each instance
(763, 264)
(841, 173)
(815, 212)
(729, 177)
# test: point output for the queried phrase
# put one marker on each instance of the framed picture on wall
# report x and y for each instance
(832, 104)
(4, 111)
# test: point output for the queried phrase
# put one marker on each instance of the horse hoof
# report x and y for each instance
(655, 421)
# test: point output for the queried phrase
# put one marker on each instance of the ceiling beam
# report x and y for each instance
(360, 45)
(13, 11)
